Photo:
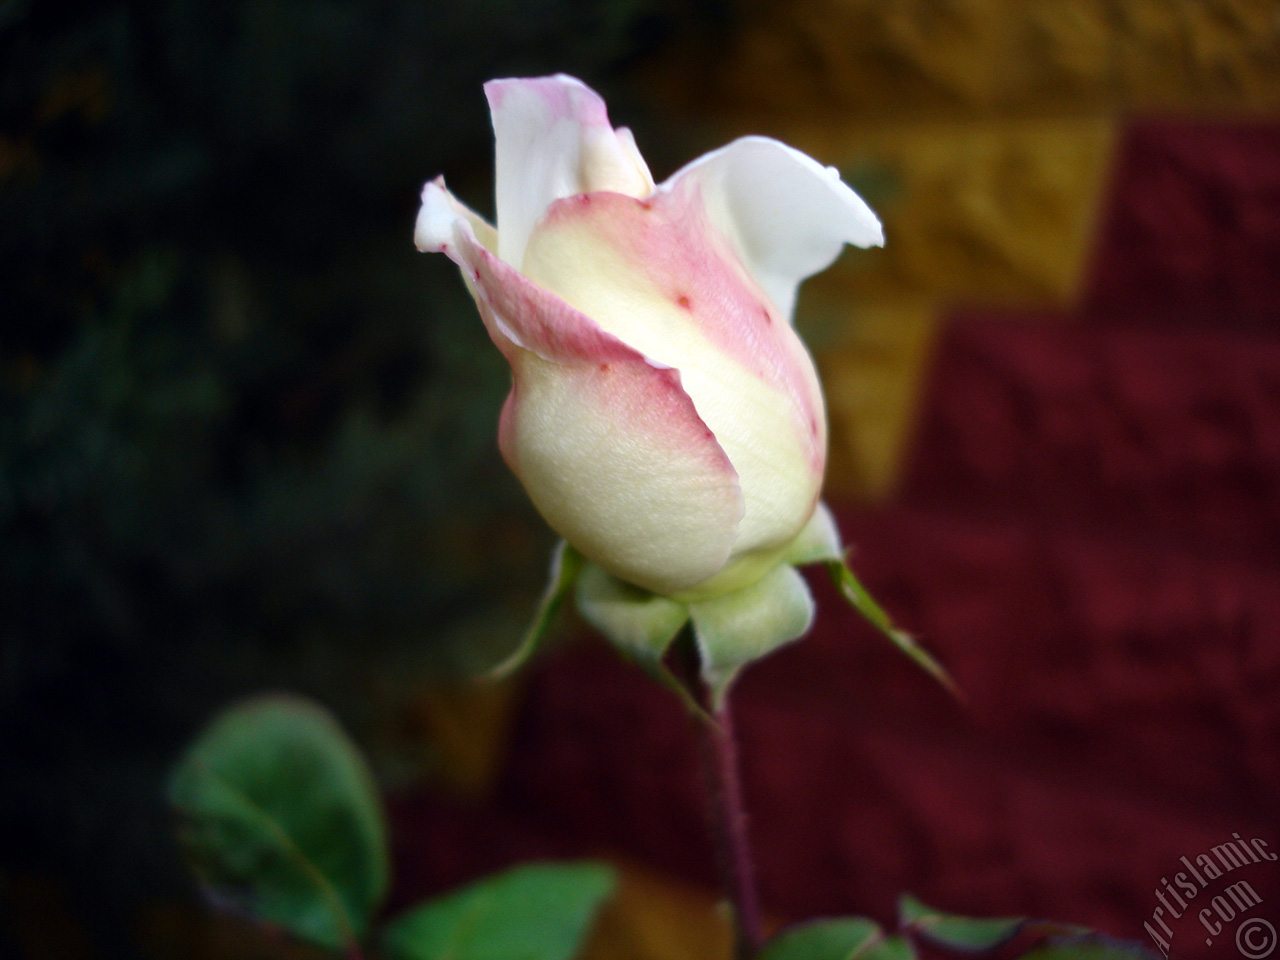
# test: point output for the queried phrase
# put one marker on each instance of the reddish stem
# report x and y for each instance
(726, 812)
(729, 825)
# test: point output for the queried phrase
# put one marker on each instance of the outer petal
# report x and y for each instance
(553, 140)
(658, 275)
(786, 215)
(607, 443)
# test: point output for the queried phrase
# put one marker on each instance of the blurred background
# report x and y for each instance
(247, 442)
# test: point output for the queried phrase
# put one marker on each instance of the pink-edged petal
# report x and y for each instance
(786, 215)
(607, 442)
(659, 276)
(440, 210)
(553, 140)
(651, 271)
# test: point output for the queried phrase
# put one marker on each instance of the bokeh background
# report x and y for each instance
(247, 442)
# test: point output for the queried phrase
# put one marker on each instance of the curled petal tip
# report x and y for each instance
(434, 226)
(878, 239)
(787, 215)
(441, 215)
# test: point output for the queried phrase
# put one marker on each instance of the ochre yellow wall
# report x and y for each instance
(981, 131)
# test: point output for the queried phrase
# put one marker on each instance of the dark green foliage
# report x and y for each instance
(280, 820)
(246, 431)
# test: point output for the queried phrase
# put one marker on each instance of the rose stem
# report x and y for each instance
(726, 811)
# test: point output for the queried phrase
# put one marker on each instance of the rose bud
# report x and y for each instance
(664, 416)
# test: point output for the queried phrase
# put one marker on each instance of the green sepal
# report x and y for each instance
(956, 932)
(536, 911)
(862, 601)
(640, 625)
(737, 628)
(818, 542)
(279, 817)
(566, 564)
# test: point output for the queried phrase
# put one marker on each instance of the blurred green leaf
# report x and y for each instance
(955, 932)
(847, 938)
(539, 911)
(279, 818)
(894, 947)
(1093, 946)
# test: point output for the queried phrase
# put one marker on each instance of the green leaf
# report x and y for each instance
(895, 947)
(279, 817)
(846, 938)
(1092, 946)
(539, 911)
(822, 940)
(862, 601)
(566, 563)
(955, 932)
